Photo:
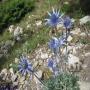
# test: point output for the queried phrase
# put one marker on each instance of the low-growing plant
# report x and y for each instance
(13, 10)
(62, 82)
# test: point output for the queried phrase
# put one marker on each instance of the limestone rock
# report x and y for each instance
(28, 26)
(4, 71)
(69, 39)
(22, 79)
(39, 74)
(11, 70)
(70, 49)
(74, 63)
(35, 64)
(44, 55)
(11, 28)
(87, 54)
(18, 31)
(38, 23)
(72, 59)
(16, 60)
(14, 77)
(66, 3)
(76, 31)
(84, 20)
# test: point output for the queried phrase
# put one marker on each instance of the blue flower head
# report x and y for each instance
(24, 66)
(50, 63)
(61, 41)
(54, 18)
(54, 44)
(67, 23)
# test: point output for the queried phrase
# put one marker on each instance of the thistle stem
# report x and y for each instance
(39, 80)
(66, 42)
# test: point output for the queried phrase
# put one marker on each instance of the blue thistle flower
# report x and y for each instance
(67, 23)
(24, 66)
(62, 41)
(54, 45)
(52, 64)
(54, 18)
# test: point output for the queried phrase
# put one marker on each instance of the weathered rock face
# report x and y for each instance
(74, 63)
(16, 32)
(77, 31)
(38, 23)
(11, 28)
(9, 78)
(5, 47)
(84, 20)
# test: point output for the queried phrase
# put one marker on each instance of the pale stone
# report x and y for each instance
(22, 79)
(70, 49)
(14, 77)
(35, 64)
(37, 83)
(73, 59)
(18, 38)
(84, 85)
(10, 65)
(66, 3)
(84, 20)
(29, 16)
(18, 31)
(11, 28)
(39, 74)
(84, 66)
(69, 39)
(87, 54)
(74, 50)
(59, 26)
(40, 62)
(15, 84)
(77, 31)
(4, 71)
(44, 55)
(28, 26)
(83, 34)
(79, 46)
(11, 70)
(72, 20)
(39, 23)
(16, 60)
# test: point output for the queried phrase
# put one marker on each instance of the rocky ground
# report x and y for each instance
(79, 61)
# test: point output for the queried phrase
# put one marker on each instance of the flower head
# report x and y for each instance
(54, 44)
(67, 23)
(62, 41)
(24, 66)
(54, 18)
(50, 63)
(53, 65)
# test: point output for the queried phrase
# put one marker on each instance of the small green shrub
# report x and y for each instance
(13, 10)
(63, 82)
